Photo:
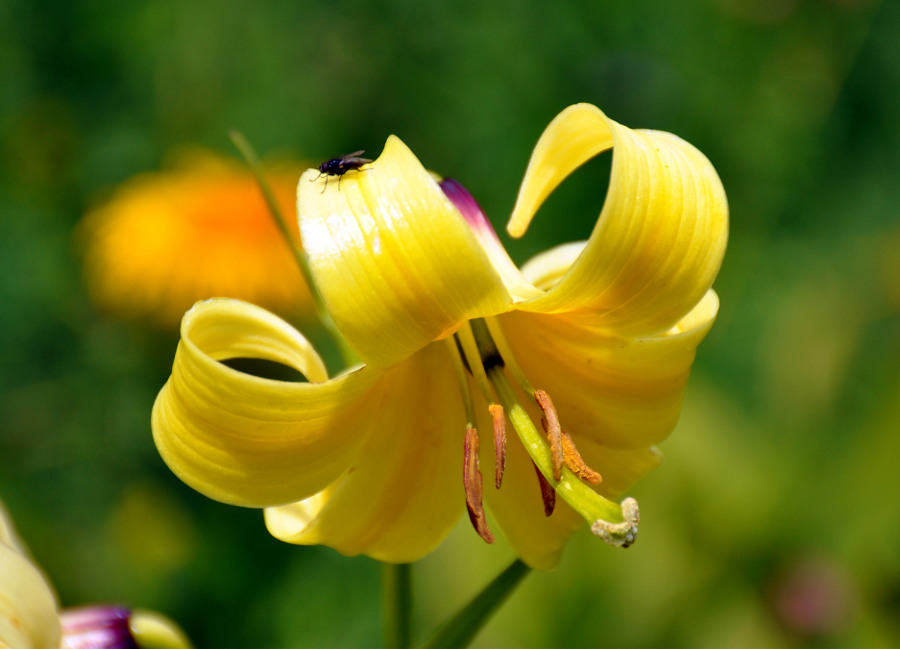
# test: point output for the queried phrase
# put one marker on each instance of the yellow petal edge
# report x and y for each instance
(28, 617)
(661, 236)
(250, 441)
(401, 496)
(395, 262)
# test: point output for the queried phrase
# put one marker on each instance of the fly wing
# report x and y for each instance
(354, 159)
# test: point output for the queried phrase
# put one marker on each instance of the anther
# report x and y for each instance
(550, 421)
(576, 464)
(473, 486)
(499, 421)
(548, 493)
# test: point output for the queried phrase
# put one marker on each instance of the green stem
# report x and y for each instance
(252, 159)
(462, 628)
(347, 354)
(396, 579)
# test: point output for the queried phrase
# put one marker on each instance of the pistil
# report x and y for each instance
(476, 351)
(563, 451)
(560, 465)
(615, 524)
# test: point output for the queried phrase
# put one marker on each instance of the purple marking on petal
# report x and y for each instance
(97, 627)
(467, 206)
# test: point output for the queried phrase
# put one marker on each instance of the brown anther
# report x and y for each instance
(550, 421)
(499, 421)
(548, 493)
(576, 464)
(473, 486)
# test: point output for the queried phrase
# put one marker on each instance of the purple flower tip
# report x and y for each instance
(466, 204)
(97, 627)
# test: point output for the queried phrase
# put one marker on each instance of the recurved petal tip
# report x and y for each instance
(573, 137)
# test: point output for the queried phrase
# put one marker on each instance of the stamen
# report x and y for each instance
(548, 493)
(478, 361)
(472, 482)
(614, 523)
(550, 421)
(505, 352)
(576, 464)
(499, 421)
(457, 361)
(473, 485)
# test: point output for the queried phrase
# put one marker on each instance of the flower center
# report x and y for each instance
(481, 353)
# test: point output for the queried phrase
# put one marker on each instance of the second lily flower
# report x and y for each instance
(585, 351)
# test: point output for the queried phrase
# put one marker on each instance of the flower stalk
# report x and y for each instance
(246, 149)
(396, 580)
(461, 629)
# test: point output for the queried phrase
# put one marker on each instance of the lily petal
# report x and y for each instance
(516, 284)
(403, 493)
(660, 239)
(618, 392)
(395, 262)
(249, 441)
(28, 617)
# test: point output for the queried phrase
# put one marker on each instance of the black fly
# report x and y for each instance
(339, 166)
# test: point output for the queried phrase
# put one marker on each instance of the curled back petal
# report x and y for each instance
(624, 393)
(395, 262)
(250, 441)
(660, 239)
(28, 617)
(403, 493)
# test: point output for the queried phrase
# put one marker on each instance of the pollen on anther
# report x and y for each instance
(472, 483)
(576, 464)
(550, 421)
(499, 425)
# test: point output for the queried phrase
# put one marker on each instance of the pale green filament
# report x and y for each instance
(584, 500)
(495, 331)
(460, 372)
(473, 355)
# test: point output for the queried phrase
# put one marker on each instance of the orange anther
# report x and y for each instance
(576, 464)
(473, 486)
(499, 421)
(550, 421)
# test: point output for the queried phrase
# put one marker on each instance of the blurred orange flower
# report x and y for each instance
(196, 230)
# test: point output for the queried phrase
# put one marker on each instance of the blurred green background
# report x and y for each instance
(775, 520)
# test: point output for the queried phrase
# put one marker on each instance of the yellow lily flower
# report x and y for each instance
(590, 342)
(30, 618)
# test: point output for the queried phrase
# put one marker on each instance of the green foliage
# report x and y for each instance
(780, 486)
